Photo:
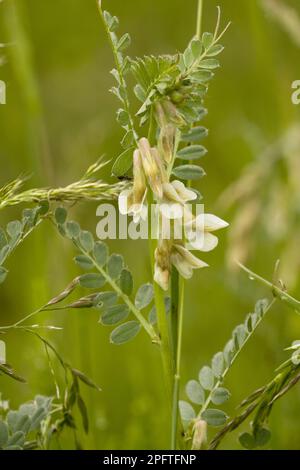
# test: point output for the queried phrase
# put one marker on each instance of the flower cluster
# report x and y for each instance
(151, 172)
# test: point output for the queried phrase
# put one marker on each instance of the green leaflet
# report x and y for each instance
(124, 333)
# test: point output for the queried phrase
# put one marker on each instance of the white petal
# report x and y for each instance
(183, 192)
(170, 194)
(139, 211)
(124, 201)
(213, 223)
(182, 266)
(204, 241)
(192, 260)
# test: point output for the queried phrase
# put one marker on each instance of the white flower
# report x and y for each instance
(169, 253)
(185, 262)
(199, 231)
(175, 196)
(127, 206)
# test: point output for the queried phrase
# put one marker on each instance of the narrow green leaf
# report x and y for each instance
(83, 412)
(240, 334)
(206, 378)
(220, 396)
(128, 140)
(189, 172)
(72, 229)
(261, 307)
(92, 281)
(193, 152)
(209, 64)
(114, 315)
(84, 262)
(218, 364)
(123, 117)
(123, 163)
(3, 239)
(207, 40)
(214, 418)
(17, 439)
(61, 215)
(101, 253)
(106, 299)
(86, 380)
(188, 57)
(195, 392)
(187, 413)
(144, 296)
(229, 352)
(195, 134)
(196, 47)
(140, 93)
(124, 333)
(202, 76)
(126, 282)
(86, 240)
(14, 229)
(124, 42)
(115, 265)
(215, 50)
(4, 253)
(3, 433)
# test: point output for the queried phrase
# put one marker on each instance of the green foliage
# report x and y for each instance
(208, 389)
(154, 76)
(124, 118)
(17, 231)
(115, 306)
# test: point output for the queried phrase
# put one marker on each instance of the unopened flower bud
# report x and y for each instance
(162, 265)
(166, 142)
(172, 113)
(160, 115)
(200, 435)
(152, 167)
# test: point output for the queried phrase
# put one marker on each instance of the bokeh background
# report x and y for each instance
(59, 118)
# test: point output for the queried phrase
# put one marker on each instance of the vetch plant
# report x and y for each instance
(157, 166)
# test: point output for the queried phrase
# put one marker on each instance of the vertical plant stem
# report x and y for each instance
(178, 304)
(175, 417)
(162, 320)
(174, 308)
(165, 343)
(199, 18)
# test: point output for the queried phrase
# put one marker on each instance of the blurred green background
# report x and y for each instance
(59, 118)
